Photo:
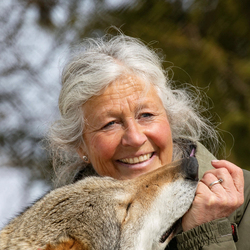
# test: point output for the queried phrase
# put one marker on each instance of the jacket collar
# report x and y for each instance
(204, 158)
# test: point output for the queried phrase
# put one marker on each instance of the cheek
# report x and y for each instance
(162, 132)
(103, 146)
(162, 138)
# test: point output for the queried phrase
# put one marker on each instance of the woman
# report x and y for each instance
(120, 117)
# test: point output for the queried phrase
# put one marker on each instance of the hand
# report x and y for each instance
(219, 200)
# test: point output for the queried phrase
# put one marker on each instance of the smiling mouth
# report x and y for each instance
(135, 160)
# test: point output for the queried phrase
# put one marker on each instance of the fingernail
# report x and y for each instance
(214, 161)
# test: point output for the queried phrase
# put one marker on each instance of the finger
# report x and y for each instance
(202, 188)
(219, 181)
(210, 179)
(222, 173)
(234, 171)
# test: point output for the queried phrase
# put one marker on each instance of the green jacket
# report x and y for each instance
(217, 234)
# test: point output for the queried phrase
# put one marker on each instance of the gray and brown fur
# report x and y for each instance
(104, 213)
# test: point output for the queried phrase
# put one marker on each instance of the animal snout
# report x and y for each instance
(189, 168)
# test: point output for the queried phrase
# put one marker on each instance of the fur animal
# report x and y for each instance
(101, 213)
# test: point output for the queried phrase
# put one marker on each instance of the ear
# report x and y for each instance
(82, 151)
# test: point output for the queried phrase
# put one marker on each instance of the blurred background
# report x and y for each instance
(206, 43)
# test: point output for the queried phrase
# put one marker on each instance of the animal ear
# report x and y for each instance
(70, 244)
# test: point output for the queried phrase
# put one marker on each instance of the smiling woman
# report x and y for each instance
(127, 132)
(106, 82)
(121, 117)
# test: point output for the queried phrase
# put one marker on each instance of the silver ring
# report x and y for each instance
(216, 182)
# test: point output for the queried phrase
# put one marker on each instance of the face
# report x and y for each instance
(126, 132)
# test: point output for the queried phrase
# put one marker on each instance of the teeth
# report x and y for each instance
(139, 159)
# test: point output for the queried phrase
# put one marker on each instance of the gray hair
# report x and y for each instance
(94, 66)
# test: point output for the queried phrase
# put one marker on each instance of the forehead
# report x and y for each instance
(125, 89)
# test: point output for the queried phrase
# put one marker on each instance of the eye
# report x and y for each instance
(146, 115)
(128, 206)
(108, 125)
(127, 215)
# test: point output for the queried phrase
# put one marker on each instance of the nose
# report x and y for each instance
(133, 134)
(189, 168)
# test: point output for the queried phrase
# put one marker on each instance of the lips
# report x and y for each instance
(171, 231)
(135, 160)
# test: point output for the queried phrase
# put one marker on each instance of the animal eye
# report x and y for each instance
(127, 211)
(128, 206)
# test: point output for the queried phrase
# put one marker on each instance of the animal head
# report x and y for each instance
(104, 213)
